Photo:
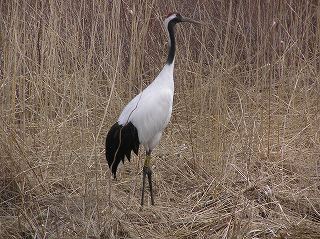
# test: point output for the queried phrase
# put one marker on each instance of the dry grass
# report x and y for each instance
(240, 158)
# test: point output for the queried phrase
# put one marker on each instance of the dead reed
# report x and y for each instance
(240, 158)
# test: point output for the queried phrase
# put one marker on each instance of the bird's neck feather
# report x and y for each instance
(165, 77)
(172, 43)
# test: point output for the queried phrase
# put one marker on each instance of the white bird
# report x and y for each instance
(145, 117)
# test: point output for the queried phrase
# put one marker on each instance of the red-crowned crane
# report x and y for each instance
(145, 117)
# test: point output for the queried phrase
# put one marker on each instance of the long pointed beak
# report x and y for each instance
(186, 19)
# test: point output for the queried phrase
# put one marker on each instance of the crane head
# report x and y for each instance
(174, 18)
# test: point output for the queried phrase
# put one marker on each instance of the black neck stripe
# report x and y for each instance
(172, 43)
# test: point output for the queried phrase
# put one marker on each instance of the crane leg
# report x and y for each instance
(147, 172)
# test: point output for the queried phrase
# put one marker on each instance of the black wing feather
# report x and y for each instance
(118, 147)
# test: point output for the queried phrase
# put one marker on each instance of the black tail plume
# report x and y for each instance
(118, 146)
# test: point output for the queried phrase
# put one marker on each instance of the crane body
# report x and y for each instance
(144, 118)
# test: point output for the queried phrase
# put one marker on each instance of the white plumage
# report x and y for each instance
(150, 111)
(144, 118)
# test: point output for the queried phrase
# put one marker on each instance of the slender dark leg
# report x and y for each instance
(150, 186)
(143, 184)
(147, 172)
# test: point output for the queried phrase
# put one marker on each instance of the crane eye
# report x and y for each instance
(178, 15)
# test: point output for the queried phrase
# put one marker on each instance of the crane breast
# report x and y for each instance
(149, 112)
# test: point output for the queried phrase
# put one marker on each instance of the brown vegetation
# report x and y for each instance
(240, 158)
